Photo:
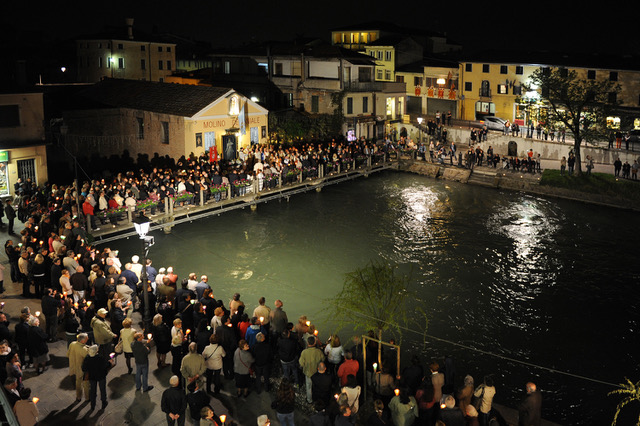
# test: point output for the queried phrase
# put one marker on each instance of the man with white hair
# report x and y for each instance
(201, 286)
(136, 267)
(97, 366)
(530, 409)
(76, 353)
(174, 403)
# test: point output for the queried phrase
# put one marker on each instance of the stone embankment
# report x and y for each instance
(511, 180)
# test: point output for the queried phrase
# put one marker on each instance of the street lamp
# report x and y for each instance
(142, 225)
(419, 129)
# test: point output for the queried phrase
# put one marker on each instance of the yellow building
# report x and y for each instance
(148, 118)
(496, 84)
(23, 153)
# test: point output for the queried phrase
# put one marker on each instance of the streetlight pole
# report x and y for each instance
(420, 129)
(142, 225)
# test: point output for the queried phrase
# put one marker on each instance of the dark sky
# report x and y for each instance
(525, 25)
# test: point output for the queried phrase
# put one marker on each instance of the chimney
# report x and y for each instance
(129, 22)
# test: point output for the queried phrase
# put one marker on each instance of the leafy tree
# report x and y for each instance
(376, 297)
(632, 392)
(582, 105)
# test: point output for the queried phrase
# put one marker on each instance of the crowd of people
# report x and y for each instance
(88, 295)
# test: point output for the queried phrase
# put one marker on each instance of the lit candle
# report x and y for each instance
(35, 399)
(308, 323)
(375, 366)
(149, 336)
(89, 303)
(37, 313)
(315, 333)
(223, 418)
(396, 391)
(75, 305)
(261, 319)
(188, 331)
(443, 406)
(336, 396)
(112, 355)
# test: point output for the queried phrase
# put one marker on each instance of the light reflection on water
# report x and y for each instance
(504, 272)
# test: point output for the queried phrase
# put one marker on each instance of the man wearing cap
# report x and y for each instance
(174, 403)
(102, 333)
(309, 360)
(529, 410)
(76, 353)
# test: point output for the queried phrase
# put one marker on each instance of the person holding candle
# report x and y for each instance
(96, 366)
(25, 410)
(140, 350)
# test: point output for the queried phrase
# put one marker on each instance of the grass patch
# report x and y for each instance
(596, 183)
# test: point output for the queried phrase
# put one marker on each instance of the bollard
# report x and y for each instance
(88, 222)
(129, 214)
(201, 197)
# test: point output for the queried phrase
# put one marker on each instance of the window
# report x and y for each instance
(519, 70)
(315, 103)
(517, 90)
(613, 97)
(120, 46)
(379, 55)
(503, 89)
(143, 64)
(468, 67)
(109, 62)
(164, 132)
(388, 55)
(613, 76)
(169, 65)
(504, 69)
(364, 74)
(591, 74)
(365, 104)
(143, 48)
(9, 116)
(120, 63)
(485, 68)
(399, 78)
(378, 74)
(468, 86)
(160, 65)
(159, 48)
(278, 68)
(387, 74)
(227, 67)
(349, 105)
(100, 62)
(140, 122)
(417, 81)
(564, 73)
(168, 48)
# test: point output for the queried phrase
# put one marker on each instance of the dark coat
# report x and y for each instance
(174, 401)
(37, 345)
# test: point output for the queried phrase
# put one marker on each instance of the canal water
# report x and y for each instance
(514, 285)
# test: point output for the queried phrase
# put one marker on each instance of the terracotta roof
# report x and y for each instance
(163, 98)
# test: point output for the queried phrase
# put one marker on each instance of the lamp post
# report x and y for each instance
(420, 129)
(142, 225)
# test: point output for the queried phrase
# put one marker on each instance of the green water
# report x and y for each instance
(546, 282)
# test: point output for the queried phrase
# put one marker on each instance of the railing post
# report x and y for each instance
(166, 206)
(280, 180)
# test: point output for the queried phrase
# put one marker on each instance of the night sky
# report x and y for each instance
(525, 25)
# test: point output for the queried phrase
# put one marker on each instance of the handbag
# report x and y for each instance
(476, 401)
(118, 349)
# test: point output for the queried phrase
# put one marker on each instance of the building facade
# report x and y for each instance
(160, 119)
(23, 153)
(124, 54)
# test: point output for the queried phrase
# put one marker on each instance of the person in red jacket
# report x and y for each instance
(349, 366)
